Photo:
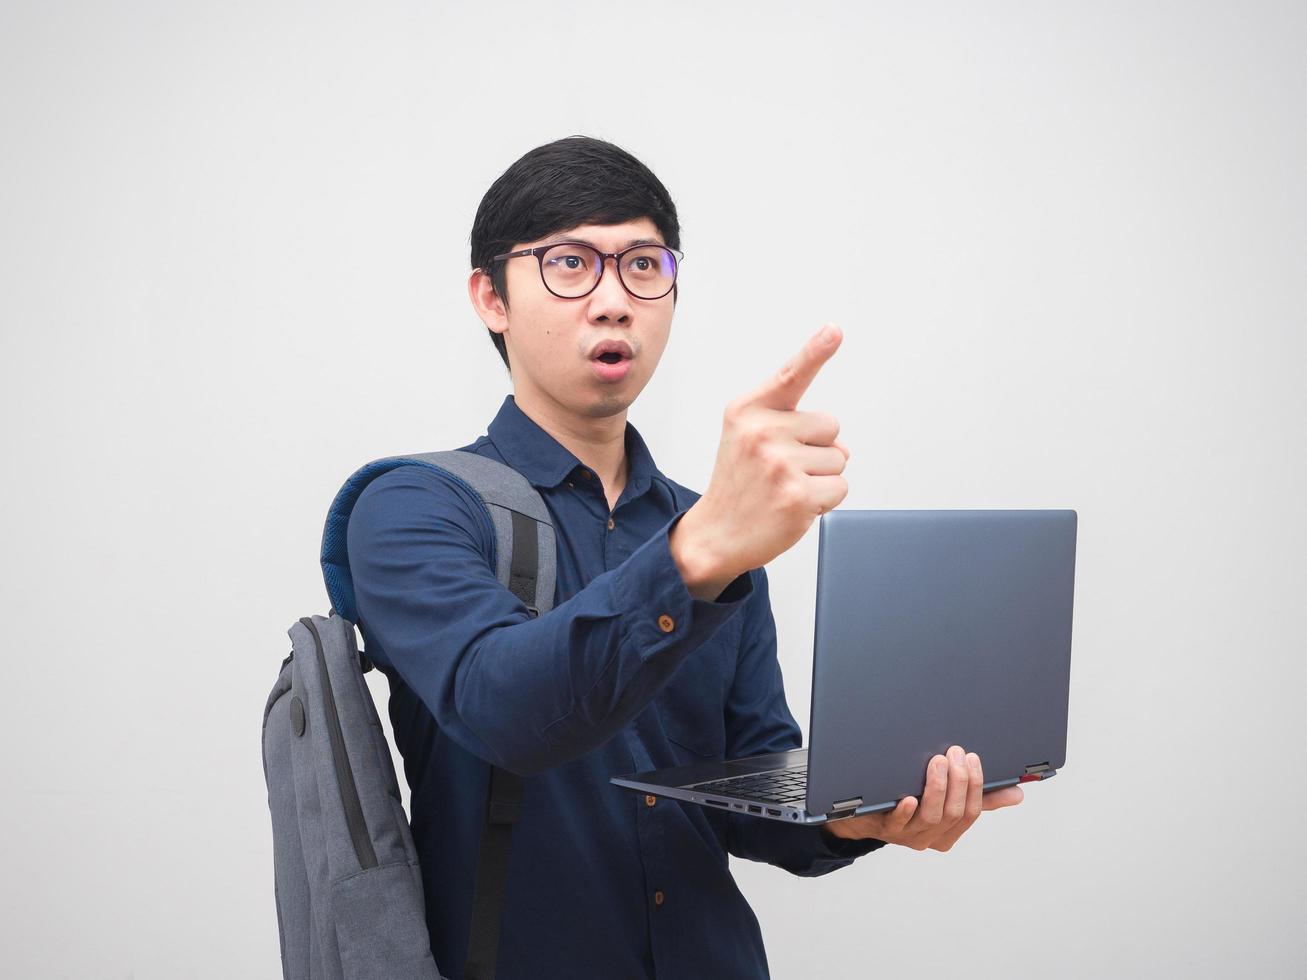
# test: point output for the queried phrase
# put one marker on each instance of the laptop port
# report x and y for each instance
(773, 813)
(754, 809)
(709, 799)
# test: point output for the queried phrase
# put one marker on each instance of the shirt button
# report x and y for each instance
(650, 800)
(659, 897)
(611, 524)
(666, 623)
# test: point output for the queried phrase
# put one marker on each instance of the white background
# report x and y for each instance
(1066, 243)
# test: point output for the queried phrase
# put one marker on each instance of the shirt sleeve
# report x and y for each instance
(758, 721)
(524, 693)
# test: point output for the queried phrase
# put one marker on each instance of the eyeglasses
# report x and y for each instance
(571, 270)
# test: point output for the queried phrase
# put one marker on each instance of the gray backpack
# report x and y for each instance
(348, 889)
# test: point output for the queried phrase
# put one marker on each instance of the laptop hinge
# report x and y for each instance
(839, 806)
(1036, 773)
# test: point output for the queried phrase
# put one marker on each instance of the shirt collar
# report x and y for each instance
(545, 462)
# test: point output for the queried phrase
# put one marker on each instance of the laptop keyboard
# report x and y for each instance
(779, 786)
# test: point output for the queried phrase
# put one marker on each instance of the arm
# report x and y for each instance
(758, 720)
(522, 693)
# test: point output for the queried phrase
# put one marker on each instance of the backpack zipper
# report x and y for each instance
(349, 794)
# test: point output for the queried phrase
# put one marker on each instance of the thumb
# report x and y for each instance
(783, 390)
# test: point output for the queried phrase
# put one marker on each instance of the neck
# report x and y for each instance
(599, 443)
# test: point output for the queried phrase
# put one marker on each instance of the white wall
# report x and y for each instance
(1066, 243)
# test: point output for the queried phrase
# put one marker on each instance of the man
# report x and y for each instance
(661, 649)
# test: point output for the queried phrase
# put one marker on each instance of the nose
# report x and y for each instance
(609, 301)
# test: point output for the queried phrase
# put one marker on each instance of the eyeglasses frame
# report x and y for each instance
(539, 252)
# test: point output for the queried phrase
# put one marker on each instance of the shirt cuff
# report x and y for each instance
(657, 607)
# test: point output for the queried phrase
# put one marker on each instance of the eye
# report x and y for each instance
(568, 259)
(644, 264)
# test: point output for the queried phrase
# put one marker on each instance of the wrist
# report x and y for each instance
(703, 572)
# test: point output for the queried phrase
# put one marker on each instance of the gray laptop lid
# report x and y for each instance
(934, 628)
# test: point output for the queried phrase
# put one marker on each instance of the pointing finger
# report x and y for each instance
(784, 389)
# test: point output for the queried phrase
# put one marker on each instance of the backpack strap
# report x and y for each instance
(525, 563)
(515, 508)
(503, 809)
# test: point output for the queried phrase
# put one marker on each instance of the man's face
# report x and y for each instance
(552, 342)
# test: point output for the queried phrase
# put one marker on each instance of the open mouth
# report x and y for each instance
(612, 357)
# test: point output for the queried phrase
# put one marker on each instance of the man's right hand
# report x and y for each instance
(777, 470)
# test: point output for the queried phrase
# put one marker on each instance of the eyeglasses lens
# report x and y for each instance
(571, 270)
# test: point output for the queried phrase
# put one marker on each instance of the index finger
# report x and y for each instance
(784, 389)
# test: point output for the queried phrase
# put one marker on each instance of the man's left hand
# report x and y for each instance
(952, 801)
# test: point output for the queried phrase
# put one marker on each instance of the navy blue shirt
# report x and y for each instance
(628, 672)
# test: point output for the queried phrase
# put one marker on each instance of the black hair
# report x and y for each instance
(577, 180)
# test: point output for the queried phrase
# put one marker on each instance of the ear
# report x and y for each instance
(488, 304)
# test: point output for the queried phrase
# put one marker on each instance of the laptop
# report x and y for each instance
(933, 628)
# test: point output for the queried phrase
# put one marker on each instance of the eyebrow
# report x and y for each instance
(584, 241)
